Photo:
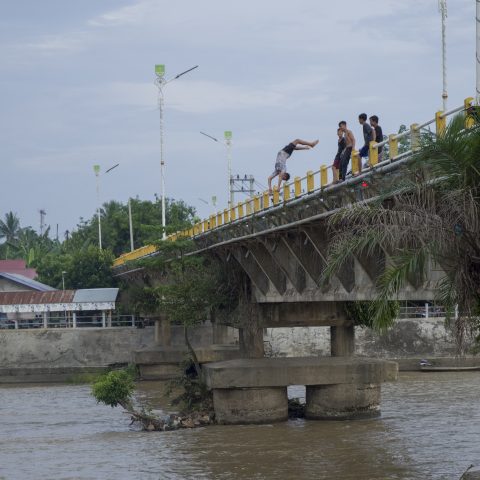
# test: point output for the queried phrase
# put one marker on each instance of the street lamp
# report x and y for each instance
(228, 146)
(63, 280)
(96, 169)
(442, 8)
(161, 82)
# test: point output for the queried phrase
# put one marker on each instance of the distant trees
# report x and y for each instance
(78, 254)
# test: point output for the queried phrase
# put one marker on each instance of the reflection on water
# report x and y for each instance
(429, 429)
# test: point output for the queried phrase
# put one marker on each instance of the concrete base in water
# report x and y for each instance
(343, 402)
(250, 405)
(255, 390)
(164, 363)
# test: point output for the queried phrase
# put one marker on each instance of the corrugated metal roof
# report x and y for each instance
(17, 266)
(88, 295)
(26, 298)
(27, 282)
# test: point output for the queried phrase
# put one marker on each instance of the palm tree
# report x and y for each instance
(431, 214)
(10, 227)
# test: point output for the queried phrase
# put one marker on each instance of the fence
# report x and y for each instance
(77, 321)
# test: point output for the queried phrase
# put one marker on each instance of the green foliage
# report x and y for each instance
(114, 388)
(429, 214)
(194, 394)
(87, 268)
(365, 313)
(190, 288)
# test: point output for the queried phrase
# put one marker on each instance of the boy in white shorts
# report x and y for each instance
(281, 162)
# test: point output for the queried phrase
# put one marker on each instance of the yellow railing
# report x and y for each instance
(311, 182)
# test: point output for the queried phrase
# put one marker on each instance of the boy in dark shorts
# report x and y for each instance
(282, 157)
(378, 134)
(347, 152)
(342, 143)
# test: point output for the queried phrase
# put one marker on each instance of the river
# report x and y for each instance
(429, 429)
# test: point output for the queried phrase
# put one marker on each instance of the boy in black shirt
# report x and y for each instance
(378, 134)
(281, 162)
(368, 135)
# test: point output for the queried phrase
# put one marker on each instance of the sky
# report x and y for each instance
(77, 89)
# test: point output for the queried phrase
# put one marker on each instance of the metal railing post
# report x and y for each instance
(74, 319)
(310, 182)
(133, 320)
(297, 186)
(324, 176)
(426, 311)
(104, 323)
(392, 146)
(45, 320)
(440, 123)
(414, 137)
(372, 154)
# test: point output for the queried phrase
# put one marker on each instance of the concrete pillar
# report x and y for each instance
(163, 332)
(104, 319)
(342, 341)
(343, 401)
(74, 319)
(219, 333)
(45, 320)
(109, 318)
(250, 405)
(251, 342)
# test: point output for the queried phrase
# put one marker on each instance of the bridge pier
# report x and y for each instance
(342, 341)
(343, 401)
(163, 332)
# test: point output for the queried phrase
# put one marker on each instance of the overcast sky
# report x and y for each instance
(77, 89)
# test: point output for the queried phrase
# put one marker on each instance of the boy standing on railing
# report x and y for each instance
(347, 152)
(378, 134)
(368, 135)
(281, 162)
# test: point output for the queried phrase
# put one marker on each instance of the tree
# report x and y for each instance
(10, 227)
(432, 214)
(86, 268)
(190, 287)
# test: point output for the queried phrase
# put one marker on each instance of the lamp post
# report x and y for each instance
(478, 51)
(63, 280)
(130, 224)
(442, 7)
(161, 82)
(96, 169)
(228, 146)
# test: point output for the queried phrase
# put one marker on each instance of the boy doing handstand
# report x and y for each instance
(282, 157)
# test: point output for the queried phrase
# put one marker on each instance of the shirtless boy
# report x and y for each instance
(346, 154)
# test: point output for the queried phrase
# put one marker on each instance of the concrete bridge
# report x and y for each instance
(280, 242)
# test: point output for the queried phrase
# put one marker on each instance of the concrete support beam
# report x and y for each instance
(288, 263)
(346, 274)
(269, 266)
(251, 333)
(306, 255)
(302, 314)
(342, 341)
(252, 269)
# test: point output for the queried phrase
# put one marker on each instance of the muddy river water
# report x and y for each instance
(429, 429)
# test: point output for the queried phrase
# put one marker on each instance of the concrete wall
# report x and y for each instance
(85, 347)
(407, 338)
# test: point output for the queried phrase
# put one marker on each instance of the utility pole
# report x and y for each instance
(442, 7)
(42, 220)
(96, 169)
(130, 225)
(228, 145)
(243, 184)
(478, 51)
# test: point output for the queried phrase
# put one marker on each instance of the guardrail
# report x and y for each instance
(68, 321)
(424, 311)
(310, 183)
